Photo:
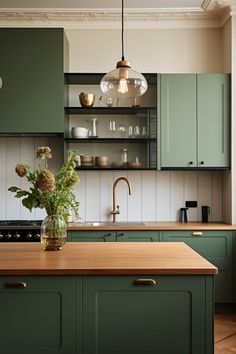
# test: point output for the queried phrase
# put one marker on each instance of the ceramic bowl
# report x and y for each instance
(79, 132)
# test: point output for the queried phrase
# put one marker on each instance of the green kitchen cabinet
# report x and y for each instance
(173, 316)
(137, 236)
(112, 236)
(213, 123)
(217, 248)
(32, 65)
(195, 120)
(38, 314)
(91, 236)
(178, 120)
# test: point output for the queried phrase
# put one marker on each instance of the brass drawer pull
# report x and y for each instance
(150, 282)
(197, 233)
(15, 285)
(105, 236)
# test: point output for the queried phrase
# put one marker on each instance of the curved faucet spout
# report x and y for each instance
(116, 208)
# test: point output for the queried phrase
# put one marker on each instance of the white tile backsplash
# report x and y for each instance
(156, 195)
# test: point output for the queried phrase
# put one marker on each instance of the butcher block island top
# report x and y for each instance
(103, 259)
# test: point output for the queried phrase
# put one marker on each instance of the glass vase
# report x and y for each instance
(53, 233)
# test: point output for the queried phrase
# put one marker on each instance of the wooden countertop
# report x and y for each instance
(103, 259)
(161, 225)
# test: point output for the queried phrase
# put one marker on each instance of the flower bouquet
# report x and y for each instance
(54, 192)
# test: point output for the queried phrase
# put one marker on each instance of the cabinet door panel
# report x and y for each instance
(137, 236)
(130, 319)
(216, 247)
(213, 107)
(40, 318)
(178, 120)
(92, 236)
(32, 96)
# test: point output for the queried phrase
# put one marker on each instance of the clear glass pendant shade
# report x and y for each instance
(123, 82)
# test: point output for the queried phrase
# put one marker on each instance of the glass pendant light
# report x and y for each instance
(123, 82)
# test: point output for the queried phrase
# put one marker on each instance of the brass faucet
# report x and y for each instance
(116, 208)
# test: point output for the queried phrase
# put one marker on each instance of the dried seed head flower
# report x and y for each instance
(44, 153)
(21, 169)
(73, 179)
(45, 181)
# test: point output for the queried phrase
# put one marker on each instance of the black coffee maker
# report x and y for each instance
(183, 215)
(205, 213)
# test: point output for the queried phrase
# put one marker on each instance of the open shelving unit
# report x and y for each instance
(140, 147)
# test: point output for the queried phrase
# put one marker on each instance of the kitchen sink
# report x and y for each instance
(110, 223)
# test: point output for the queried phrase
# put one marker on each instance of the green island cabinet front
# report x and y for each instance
(173, 316)
(40, 317)
(106, 314)
(32, 65)
(217, 248)
(195, 120)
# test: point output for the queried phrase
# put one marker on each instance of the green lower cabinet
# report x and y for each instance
(174, 316)
(217, 248)
(137, 236)
(91, 236)
(112, 236)
(39, 318)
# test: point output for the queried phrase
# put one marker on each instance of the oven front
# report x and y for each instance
(20, 231)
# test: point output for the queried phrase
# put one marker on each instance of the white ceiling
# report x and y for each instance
(101, 4)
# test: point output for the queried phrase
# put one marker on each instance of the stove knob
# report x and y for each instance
(17, 236)
(29, 236)
(8, 235)
(37, 236)
(1, 236)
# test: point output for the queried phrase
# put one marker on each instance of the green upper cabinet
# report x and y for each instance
(213, 102)
(32, 65)
(195, 120)
(178, 120)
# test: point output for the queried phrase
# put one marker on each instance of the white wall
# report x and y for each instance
(155, 195)
(174, 51)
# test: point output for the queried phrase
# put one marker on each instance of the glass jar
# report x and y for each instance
(53, 233)
(124, 156)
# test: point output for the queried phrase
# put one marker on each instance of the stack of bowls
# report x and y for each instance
(86, 160)
(101, 161)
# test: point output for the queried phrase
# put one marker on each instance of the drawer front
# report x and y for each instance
(137, 236)
(91, 236)
(37, 314)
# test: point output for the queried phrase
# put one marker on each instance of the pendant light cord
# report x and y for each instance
(122, 31)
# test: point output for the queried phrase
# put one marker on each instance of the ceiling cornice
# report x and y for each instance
(212, 14)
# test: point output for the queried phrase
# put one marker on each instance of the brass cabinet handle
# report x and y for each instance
(197, 233)
(105, 236)
(15, 285)
(150, 282)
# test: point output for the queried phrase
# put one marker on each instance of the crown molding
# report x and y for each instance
(212, 14)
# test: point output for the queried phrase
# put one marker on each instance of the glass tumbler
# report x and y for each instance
(112, 127)
(122, 130)
(137, 130)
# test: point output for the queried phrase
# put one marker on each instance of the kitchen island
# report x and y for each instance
(129, 298)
